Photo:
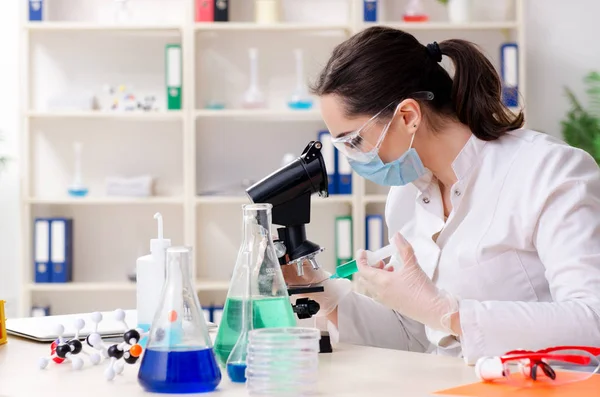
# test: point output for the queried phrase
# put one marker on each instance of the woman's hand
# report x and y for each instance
(335, 290)
(408, 290)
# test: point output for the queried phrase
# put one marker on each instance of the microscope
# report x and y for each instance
(289, 190)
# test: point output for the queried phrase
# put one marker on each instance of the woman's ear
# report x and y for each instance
(409, 114)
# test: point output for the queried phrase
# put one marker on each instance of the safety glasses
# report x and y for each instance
(549, 367)
(355, 147)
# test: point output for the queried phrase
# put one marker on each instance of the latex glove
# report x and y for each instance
(335, 290)
(407, 289)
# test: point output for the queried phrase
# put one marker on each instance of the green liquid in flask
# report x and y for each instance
(266, 313)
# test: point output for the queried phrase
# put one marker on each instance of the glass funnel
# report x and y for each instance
(271, 305)
(179, 357)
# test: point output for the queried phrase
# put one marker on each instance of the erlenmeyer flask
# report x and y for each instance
(271, 305)
(179, 357)
(236, 363)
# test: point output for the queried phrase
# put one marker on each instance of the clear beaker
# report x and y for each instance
(179, 357)
(271, 305)
(283, 362)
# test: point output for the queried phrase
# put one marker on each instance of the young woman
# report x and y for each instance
(497, 227)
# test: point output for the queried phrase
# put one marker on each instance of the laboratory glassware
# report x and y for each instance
(77, 188)
(549, 367)
(283, 361)
(179, 357)
(122, 11)
(271, 306)
(415, 12)
(373, 257)
(236, 363)
(253, 97)
(300, 99)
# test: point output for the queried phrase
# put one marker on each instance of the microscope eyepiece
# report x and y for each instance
(289, 190)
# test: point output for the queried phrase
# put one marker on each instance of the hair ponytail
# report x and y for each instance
(477, 92)
(380, 65)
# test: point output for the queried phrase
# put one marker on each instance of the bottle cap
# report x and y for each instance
(160, 243)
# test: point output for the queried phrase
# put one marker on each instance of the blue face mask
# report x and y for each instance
(408, 168)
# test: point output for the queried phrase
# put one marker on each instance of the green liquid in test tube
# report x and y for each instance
(373, 257)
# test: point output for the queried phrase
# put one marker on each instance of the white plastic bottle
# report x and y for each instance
(150, 277)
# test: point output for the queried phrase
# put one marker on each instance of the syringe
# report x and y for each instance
(373, 258)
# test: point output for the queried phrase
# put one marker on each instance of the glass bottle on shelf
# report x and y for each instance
(415, 12)
(253, 97)
(179, 357)
(122, 11)
(271, 305)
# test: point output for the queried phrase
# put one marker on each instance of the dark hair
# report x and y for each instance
(381, 65)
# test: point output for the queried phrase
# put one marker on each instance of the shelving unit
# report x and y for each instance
(108, 201)
(191, 149)
(104, 28)
(275, 27)
(261, 114)
(201, 285)
(135, 116)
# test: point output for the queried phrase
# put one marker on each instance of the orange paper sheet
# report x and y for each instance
(586, 388)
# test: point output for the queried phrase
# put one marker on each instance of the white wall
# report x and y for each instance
(560, 50)
(9, 128)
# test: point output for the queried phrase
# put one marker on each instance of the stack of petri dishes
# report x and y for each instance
(283, 361)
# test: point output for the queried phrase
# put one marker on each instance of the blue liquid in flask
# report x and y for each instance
(179, 371)
(300, 105)
(237, 372)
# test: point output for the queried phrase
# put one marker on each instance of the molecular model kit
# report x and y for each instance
(118, 354)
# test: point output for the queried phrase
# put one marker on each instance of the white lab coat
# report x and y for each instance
(521, 250)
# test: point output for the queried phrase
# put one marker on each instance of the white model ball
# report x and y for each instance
(95, 358)
(109, 373)
(119, 367)
(79, 324)
(96, 317)
(43, 362)
(77, 363)
(119, 315)
(95, 339)
(59, 329)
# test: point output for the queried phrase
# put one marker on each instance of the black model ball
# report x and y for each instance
(115, 352)
(63, 350)
(129, 359)
(132, 337)
(76, 346)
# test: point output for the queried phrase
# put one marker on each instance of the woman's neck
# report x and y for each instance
(439, 150)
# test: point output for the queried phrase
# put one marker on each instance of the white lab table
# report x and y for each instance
(348, 371)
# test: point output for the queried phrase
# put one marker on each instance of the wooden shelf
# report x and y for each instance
(375, 198)
(240, 200)
(95, 115)
(106, 200)
(409, 26)
(201, 285)
(93, 27)
(262, 114)
(277, 27)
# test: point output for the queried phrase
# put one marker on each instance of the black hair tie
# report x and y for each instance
(433, 49)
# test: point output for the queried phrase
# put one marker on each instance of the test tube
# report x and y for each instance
(373, 257)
